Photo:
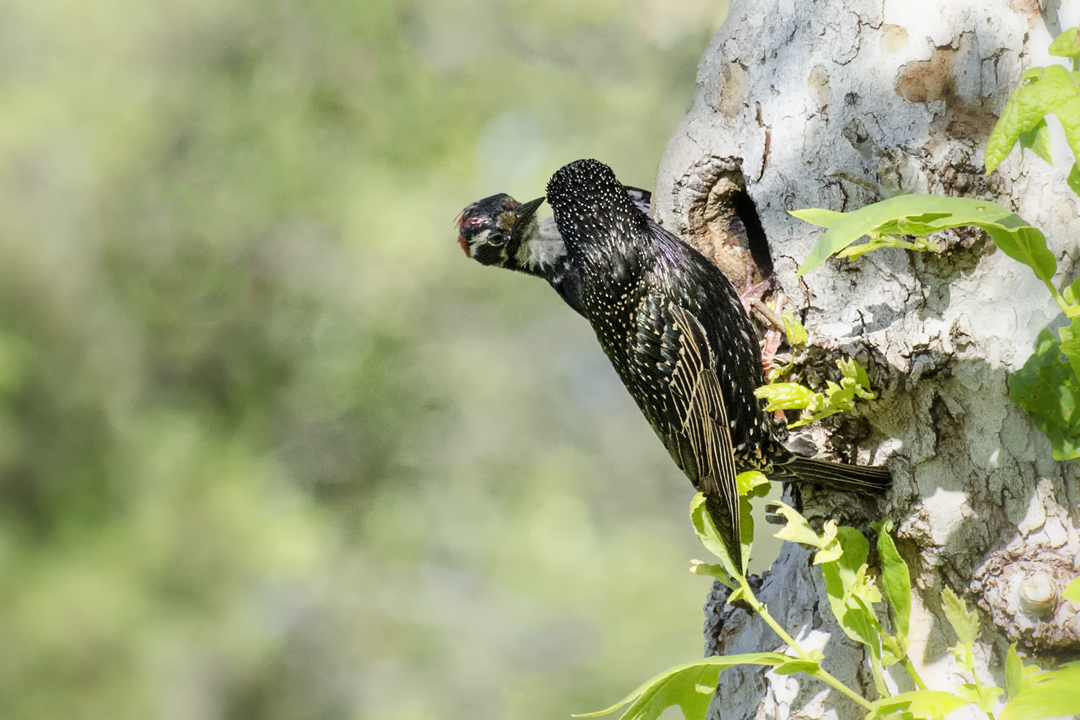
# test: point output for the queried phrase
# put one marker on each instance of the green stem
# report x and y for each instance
(969, 656)
(1069, 310)
(822, 673)
(905, 662)
(827, 677)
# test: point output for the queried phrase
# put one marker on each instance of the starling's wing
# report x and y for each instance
(693, 421)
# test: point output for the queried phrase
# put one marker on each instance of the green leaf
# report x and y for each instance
(836, 398)
(684, 686)
(1066, 44)
(1048, 390)
(1027, 245)
(795, 666)
(828, 554)
(1072, 292)
(1072, 590)
(921, 224)
(1037, 139)
(984, 697)
(707, 534)
(830, 548)
(1042, 91)
(1070, 344)
(859, 619)
(697, 567)
(895, 577)
(934, 213)
(793, 329)
(819, 216)
(785, 396)
(856, 549)
(920, 703)
(710, 538)
(845, 579)
(1074, 179)
(1014, 672)
(1049, 695)
(751, 482)
(796, 529)
(964, 622)
(860, 383)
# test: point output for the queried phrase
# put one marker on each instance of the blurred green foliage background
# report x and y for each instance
(270, 445)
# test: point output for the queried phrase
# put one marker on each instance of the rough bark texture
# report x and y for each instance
(838, 105)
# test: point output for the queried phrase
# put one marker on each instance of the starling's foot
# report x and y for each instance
(752, 291)
(775, 332)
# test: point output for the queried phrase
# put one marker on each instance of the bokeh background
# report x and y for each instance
(270, 445)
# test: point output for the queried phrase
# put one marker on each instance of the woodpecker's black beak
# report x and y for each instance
(525, 214)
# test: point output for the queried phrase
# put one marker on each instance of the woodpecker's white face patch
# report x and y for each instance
(478, 240)
(543, 247)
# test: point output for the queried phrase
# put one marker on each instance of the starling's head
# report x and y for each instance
(491, 230)
(590, 202)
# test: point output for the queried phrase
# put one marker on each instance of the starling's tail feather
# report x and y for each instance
(866, 480)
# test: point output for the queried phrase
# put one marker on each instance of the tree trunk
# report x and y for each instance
(837, 105)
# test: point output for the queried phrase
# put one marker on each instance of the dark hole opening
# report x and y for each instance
(746, 211)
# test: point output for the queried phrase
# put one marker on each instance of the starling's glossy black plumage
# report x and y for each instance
(670, 322)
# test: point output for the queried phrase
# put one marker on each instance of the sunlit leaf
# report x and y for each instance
(1048, 695)
(795, 666)
(793, 329)
(785, 396)
(1025, 244)
(1066, 44)
(965, 623)
(1016, 238)
(896, 578)
(920, 703)
(1014, 672)
(751, 483)
(860, 623)
(1072, 590)
(684, 686)
(985, 697)
(1042, 91)
(1074, 179)
(697, 567)
(1048, 390)
(843, 578)
(796, 530)
(1037, 139)
(1070, 344)
(819, 216)
(710, 538)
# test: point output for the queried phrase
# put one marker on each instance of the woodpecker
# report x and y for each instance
(500, 231)
(670, 322)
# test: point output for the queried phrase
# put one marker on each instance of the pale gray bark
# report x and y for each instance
(837, 105)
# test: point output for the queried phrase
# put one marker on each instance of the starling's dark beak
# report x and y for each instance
(525, 214)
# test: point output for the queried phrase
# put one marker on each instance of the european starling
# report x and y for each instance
(669, 321)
